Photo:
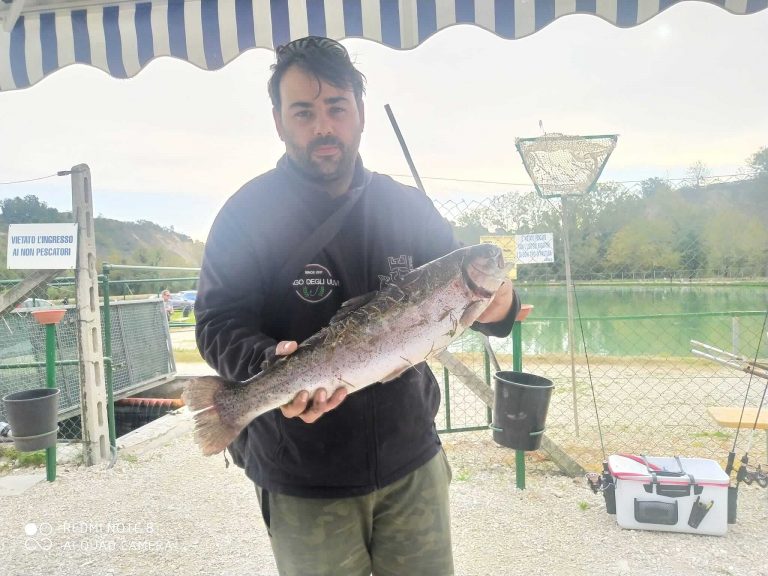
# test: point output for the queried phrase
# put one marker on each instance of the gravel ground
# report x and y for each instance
(172, 511)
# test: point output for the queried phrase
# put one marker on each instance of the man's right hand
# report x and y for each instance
(301, 405)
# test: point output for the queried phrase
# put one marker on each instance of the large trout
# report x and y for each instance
(371, 339)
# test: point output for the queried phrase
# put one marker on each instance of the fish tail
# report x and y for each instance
(212, 434)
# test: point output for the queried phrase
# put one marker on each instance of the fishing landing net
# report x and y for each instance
(562, 165)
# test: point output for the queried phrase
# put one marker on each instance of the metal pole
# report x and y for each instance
(517, 366)
(447, 380)
(37, 364)
(569, 300)
(50, 381)
(108, 357)
(487, 372)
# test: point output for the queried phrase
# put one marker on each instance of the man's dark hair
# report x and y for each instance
(323, 58)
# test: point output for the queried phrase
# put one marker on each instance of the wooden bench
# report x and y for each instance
(729, 416)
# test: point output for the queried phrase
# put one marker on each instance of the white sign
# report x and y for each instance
(535, 248)
(42, 246)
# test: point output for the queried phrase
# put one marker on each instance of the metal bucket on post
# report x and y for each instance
(33, 416)
(520, 409)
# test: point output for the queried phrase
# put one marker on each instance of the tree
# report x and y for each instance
(698, 173)
(693, 257)
(759, 161)
(735, 243)
(28, 210)
(652, 186)
(644, 246)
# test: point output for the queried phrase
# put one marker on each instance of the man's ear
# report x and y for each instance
(278, 122)
(361, 110)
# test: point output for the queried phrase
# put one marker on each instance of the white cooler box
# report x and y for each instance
(671, 494)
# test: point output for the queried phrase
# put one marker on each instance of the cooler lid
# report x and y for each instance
(667, 469)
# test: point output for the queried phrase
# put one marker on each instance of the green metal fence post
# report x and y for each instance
(447, 380)
(487, 372)
(517, 366)
(108, 357)
(50, 381)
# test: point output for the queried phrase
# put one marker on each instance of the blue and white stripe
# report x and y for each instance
(122, 38)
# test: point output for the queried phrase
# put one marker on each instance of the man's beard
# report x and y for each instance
(325, 169)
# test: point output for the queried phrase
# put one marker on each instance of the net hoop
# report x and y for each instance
(563, 165)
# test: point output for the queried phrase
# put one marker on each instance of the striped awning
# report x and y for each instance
(38, 37)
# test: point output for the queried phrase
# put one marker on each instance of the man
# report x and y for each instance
(167, 306)
(347, 486)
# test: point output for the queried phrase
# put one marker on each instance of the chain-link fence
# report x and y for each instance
(23, 362)
(138, 339)
(653, 267)
(653, 401)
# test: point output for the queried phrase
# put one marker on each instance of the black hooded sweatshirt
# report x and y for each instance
(377, 435)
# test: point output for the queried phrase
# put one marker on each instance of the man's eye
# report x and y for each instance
(337, 110)
(303, 114)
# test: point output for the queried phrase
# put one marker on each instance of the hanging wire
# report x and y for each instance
(708, 179)
(59, 173)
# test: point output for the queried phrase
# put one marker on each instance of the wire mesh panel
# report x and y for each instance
(141, 354)
(141, 345)
(461, 408)
(22, 344)
(654, 400)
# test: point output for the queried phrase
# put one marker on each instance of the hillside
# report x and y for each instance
(144, 243)
(138, 243)
(747, 196)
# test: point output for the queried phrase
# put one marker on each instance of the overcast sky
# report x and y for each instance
(171, 144)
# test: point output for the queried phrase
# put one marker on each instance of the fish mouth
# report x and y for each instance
(472, 285)
(484, 262)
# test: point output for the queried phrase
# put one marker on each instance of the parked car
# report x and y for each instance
(184, 301)
(34, 303)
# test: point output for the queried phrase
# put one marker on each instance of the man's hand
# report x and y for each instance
(498, 308)
(301, 406)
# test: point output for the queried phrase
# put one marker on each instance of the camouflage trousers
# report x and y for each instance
(403, 529)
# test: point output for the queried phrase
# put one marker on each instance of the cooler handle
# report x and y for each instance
(653, 470)
(673, 490)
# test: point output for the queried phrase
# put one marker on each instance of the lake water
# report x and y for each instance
(728, 317)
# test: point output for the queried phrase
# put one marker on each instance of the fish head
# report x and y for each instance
(483, 270)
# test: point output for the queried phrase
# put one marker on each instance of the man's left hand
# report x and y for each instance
(499, 307)
(310, 410)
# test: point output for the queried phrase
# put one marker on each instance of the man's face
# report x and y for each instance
(320, 124)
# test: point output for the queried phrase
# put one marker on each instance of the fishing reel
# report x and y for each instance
(604, 484)
(597, 482)
(749, 474)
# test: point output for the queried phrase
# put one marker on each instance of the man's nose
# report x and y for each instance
(323, 125)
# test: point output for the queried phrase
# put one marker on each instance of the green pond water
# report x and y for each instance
(644, 320)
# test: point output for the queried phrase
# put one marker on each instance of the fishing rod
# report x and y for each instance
(754, 368)
(746, 472)
(420, 186)
(404, 147)
(598, 482)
